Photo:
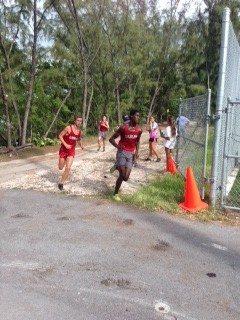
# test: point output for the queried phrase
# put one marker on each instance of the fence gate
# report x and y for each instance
(191, 149)
(230, 184)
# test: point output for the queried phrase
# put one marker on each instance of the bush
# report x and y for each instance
(41, 142)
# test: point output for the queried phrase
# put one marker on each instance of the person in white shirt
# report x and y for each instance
(170, 137)
(182, 123)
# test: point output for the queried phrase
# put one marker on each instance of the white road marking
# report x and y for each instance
(215, 245)
(218, 246)
(23, 265)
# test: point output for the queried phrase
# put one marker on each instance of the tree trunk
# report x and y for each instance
(89, 101)
(8, 65)
(32, 74)
(84, 99)
(117, 100)
(156, 91)
(6, 109)
(57, 113)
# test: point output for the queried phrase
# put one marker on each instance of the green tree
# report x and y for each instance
(16, 24)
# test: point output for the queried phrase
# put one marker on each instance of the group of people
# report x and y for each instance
(127, 146)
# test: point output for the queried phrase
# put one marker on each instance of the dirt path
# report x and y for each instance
(89, 175)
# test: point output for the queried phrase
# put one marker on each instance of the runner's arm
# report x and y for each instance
(106, 125)
(115, 136)
(80, 144)
(138, 143)
(62, 134)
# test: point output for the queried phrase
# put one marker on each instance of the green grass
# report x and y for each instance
(163, 193)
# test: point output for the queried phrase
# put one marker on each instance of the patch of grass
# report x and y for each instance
(214, 216)
(165, 193)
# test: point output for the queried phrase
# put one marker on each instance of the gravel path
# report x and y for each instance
(89, 175)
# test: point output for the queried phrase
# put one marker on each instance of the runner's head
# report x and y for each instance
(171, 122)
(152, 119)
(134, 116)
(78, 120)
(125, 118)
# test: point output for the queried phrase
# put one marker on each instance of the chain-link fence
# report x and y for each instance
(191, 147)
(230, 180)
(226, 149)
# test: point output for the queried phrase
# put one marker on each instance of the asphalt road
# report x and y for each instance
(68, 258)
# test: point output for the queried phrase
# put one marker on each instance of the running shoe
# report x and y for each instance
(158, 160)
(60, 187)
(103, 149)
(98, 148)
(113, 168)
(116, 197)
(148, 159)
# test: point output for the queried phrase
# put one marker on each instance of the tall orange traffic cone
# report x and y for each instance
(171, 165)
(192, 201)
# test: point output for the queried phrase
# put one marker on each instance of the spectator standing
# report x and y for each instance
(153, 133)
(170, 140)
(182, 123)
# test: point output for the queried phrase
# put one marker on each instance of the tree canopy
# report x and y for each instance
(102, 57)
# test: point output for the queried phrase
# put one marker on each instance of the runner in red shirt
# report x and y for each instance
(127, 146)
(102, 132)
(69, 137)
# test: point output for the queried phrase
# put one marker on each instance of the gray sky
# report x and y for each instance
(192, 4)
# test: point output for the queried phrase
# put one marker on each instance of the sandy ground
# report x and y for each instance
(89, 175)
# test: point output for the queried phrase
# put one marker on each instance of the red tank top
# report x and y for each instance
(72, 138)
(102, 126)
(128, 140)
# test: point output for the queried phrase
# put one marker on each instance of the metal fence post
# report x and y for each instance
(206, 144)
(225, 152)
(219, 104)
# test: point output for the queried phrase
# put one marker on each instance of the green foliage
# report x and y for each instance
(41, 142)
(151, 58)
(196, 90)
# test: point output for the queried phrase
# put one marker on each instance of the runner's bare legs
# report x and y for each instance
(99, 142)
(104, 144)
(67, 164)
(124, 174)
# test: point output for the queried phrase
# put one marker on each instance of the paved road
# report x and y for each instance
(68, 258)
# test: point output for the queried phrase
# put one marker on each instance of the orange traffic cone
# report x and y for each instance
(171, 166)
(192, 201)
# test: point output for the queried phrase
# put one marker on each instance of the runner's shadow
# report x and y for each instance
(51, 176)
